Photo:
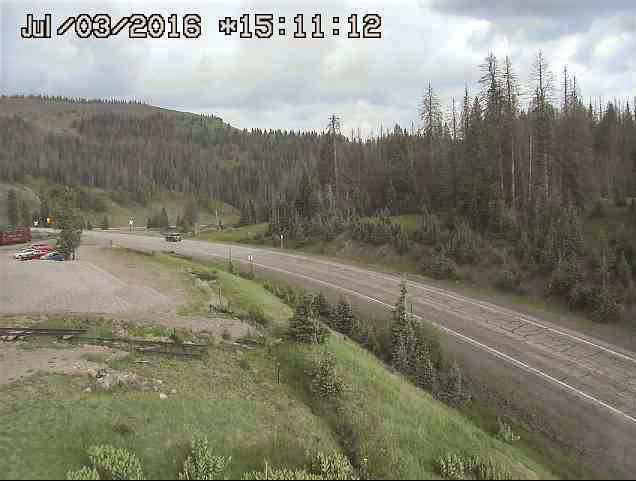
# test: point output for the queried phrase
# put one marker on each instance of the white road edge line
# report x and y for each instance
(453, 295)
(454, 333)
(493, 308)
(467, 339)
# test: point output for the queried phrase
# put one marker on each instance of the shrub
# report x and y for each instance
(325, 381)
(564, 278)
(257, 316)
(202, 464)
(115, 463)
(455, 466)
(303, 327)
(506, 434)
(440, 267)
(508, 281)
(84, 473)
(282, 474)
(332, 466)
(450, 466)
(452, 390)
(604, 306)
(598, 210)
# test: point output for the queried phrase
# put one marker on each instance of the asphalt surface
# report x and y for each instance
(553, 368)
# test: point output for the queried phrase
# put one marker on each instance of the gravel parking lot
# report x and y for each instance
(80, 286)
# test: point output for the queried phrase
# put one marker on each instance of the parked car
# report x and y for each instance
(48, 255)
(30, 255)
(54, 256)
(23, 253)
(173, 237)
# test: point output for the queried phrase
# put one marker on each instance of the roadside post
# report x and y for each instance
(251, 259)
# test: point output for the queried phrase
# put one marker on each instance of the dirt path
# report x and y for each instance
(18, 364)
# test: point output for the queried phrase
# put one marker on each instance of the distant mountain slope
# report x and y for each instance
(136, 147)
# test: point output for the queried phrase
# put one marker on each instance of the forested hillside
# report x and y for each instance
(496, 168)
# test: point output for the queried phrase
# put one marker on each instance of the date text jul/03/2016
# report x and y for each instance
(190, 26)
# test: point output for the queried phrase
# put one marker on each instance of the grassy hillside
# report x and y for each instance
(234, 398)
(60, 117)
(119, 207)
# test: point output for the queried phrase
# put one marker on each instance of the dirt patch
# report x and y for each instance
(18, 364)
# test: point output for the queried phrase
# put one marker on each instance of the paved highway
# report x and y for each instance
(573, 372)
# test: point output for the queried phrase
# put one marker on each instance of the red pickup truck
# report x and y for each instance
(19, 235)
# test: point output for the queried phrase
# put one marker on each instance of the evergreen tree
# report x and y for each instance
(25, 213)
(44, 210)
(164, 221)
(304, 327)
(624, 271)
(343, 319)
(12, 207)
(453, 391)
(321, 309)
(426, 375)
(399, 331)
(69, 222)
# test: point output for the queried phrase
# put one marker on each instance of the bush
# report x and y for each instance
(455, 466)
(325, 381)
(257, 316)
(282, 474)
(440, 267)
(303, 327)
(450, 466)
(508, 281)
(598, 211)
(506, 434)
(604, 306)
(115, 463)
(333, 466)
(564, 278)
(202, 464)
(84, 473)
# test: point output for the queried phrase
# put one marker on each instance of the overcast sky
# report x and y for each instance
(295, 84)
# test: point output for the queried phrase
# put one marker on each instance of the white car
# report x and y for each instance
(24, 253)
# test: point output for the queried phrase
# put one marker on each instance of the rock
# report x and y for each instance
(107, 381)
(11, 338)
(173, 391)
(67, 337)
(159, 381)
(88, 389)
(156, 388)
(162, 396)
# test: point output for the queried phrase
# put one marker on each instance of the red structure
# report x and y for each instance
(18, 235)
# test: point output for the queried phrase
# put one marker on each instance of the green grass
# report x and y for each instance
(402, 429)
(242, 293)
(243, 234)
(233, 398)
(50, 421)
(407, 221)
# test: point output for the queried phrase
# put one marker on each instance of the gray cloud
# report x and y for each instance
(295, 84)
